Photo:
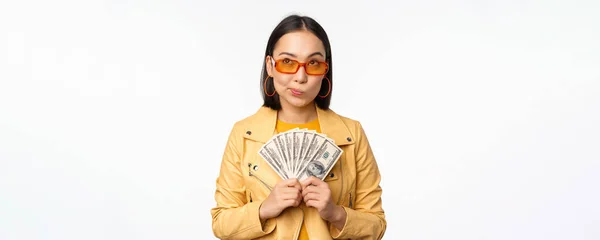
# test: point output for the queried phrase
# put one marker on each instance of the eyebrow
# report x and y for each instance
(294, 55)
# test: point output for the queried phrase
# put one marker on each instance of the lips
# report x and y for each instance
(296, 92)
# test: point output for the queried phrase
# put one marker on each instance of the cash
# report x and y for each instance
(301, 153)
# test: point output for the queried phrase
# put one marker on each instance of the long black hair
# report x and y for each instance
(290, 24)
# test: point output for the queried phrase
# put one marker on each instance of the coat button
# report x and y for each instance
(255, 167)
(249, 132)
(331, 175)
(349, 139)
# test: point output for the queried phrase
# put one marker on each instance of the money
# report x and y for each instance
(301, 153)
(270, 154)
(322, 161)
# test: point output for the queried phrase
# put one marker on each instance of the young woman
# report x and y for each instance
(253, 201)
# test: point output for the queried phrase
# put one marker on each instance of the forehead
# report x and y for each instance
(299, 43)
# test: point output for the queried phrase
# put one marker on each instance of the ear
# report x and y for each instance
(269, 65)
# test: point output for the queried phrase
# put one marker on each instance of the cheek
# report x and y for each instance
(315, 84)
(280, 81)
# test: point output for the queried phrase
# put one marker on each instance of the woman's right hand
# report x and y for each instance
(285, 194)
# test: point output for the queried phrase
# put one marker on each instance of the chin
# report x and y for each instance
(299, 103)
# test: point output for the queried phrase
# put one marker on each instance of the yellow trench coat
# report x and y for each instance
(245, 180)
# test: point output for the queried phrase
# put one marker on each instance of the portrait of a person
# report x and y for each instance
(251, 200)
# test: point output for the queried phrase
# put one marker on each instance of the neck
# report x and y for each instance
(296, 115)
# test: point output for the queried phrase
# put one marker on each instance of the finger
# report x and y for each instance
(310, 189)
(312, 180)
(291, 182)
(297, 202)
(288, 196)
(297, 185)
(295, 195)
(308, 181)
(290, 191)
(311, 203)
(290, 202)
(312, 196)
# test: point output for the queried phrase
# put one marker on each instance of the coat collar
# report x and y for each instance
(261, 126)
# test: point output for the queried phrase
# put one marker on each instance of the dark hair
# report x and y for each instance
(290, 24)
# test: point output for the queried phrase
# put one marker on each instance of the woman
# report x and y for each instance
(253, 202)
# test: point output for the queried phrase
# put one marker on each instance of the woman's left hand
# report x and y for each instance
(316, 193)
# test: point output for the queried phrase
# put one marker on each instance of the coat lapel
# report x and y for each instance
(261, 125)
(334, 127)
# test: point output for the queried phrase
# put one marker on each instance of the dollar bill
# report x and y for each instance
(316, 140)
(287, 139)
(280, 143)
(269, 153)
(322, 161)
(306, 139)
(296, 140)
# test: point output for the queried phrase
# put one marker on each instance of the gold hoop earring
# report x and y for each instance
(329, 81)
(265, 88)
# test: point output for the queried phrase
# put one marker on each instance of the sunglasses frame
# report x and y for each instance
(300, 64)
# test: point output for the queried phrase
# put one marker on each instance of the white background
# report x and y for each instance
(484, 115)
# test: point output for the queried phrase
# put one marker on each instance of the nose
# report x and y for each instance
(301, 76)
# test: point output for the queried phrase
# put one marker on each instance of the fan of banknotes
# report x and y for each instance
(300, 153)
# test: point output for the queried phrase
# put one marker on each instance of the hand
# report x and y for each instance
(285, 194)
(317, 194)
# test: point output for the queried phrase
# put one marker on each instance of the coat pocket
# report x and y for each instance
(249, 196)
(350, 203)
(349, 200)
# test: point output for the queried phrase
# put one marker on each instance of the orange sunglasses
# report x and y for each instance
(287, 65)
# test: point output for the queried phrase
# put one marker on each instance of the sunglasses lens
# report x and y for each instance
(316, 68)
(286, 66)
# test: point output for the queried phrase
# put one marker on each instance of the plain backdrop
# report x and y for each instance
(484, 116)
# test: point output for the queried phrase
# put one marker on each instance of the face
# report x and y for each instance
(313, 169)
(297, 89)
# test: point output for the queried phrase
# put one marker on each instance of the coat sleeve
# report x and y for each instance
(366, 220)
(233, 217)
